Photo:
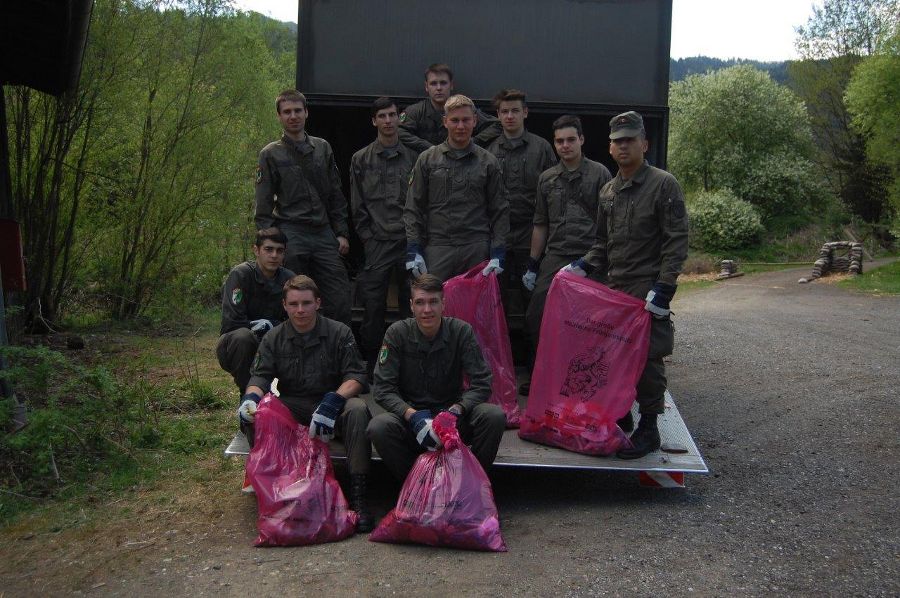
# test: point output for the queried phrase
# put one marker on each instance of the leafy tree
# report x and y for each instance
(873, 98)
(833, 42)
(738, 129)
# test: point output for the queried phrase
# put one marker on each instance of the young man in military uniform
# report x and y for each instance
(251, 304)
(641, 245)
(379, 177)
(565, 214)
(523, 156)
(422, 126)
(456, 213)
(298, 189)
(420, 373)
(320, 375)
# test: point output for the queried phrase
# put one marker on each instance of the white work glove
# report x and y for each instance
(247, 410)
(261, 326)
(493, 266)
(529, 279)
(417, 266)
(578, 268)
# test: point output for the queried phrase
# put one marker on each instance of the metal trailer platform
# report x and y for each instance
(659, 468)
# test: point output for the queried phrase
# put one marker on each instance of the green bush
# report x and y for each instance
(721, 221)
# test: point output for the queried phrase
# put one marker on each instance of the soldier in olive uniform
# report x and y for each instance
(422, 126)
(641, 245)
(565, 214)
(320, 375)
(379, 177)
(420, 372)
(298, 189)
(456, 213)
(251, 304)
(523, 157)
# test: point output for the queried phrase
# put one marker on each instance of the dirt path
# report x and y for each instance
(790, 391)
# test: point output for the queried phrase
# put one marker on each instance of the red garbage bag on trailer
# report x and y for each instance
(446, 500)
(475, 299)
(592, 350)
(299, 500)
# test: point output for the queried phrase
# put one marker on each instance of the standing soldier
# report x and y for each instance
(422, 126)
(379, 177)
(565, 216)
(523, 157)
(251, 304)
(641, 245)
(456, 213)
(298, 189)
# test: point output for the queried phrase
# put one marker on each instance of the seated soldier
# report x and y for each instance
(251, 304)
(420, 372)
(320, 373)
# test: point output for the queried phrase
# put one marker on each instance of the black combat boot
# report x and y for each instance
(626, 422)
(645, 439)
(365, 523)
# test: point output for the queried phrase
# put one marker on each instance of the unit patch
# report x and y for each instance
(403, 117)
(383, 354)
(258, 175)
(237, 295)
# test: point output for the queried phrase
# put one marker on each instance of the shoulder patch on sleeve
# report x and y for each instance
(403, 116)
(259, 174)
(237, 295)
(383, 354)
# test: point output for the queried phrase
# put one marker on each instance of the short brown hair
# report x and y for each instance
(437, 68)
(289, 95)
(301, 282)
(273, 234)
(458, 101)
(429, 283)
(509, 95)
(568, 120)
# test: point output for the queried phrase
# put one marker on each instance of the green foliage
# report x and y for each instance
(722, 221)
(681, 68)
(883, 281)
(737, 129)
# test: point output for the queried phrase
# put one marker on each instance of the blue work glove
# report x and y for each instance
(658, 299)
(327, 411)
(529, 279)
(579, 267)
(247, 410)
(497, 261)
(260, 327)
(420, 423)
(415, 263)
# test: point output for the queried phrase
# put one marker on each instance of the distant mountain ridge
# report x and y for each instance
(698, 65)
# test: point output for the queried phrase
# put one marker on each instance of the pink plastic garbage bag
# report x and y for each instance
(475, 299)
(299, 500)
(446, 500)
(592, 350)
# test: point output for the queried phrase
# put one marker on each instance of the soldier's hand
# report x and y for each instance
(496, 263)
(261, 327)
(420, 423)
(579, 268)
(415, 263)
(529, 279)
(343, 245)
(247, 410)
(323, 418)
(659, 298)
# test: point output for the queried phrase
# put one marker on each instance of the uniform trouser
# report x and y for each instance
(384, 259)
(447, 261)
(235, 352)
(349, 427)
(651, 386)
(314, 252)
(550, 265)
(481, 428)
(518, 248)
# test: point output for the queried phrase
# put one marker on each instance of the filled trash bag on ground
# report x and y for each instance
(475, 299)
(591, 352)
(299, 500)
(446, 500)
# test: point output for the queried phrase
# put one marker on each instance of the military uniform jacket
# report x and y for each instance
(308, 366)
(566, 203)
(642, 228)
(418, 373)
(379, 178)
(422, 126)
(522, 160)
(299, 183)
(248, 295)
(456, 197)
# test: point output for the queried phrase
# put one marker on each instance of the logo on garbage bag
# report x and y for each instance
(586, 375)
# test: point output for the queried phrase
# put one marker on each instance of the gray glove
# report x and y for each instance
(260, 327)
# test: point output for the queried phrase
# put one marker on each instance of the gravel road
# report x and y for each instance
(790, 392)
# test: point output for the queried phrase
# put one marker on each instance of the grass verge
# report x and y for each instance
(884, 280)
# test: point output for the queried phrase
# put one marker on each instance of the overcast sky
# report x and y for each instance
(758, 29)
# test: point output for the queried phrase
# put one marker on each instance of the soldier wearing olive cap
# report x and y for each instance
(641, 245)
